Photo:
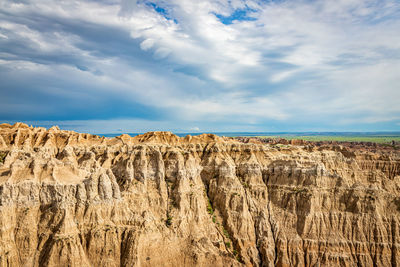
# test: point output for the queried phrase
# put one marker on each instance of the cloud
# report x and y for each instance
(223, 64)
(147, 44)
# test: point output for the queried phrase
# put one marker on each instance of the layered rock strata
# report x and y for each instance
(71, 199)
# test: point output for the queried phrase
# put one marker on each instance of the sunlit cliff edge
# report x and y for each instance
(72, 199)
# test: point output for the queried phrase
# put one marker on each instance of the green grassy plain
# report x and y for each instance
(374, 139)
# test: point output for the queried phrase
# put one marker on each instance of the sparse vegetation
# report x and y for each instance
(229, 245)
(239, 258)
(226, 233)
(168, 222)
(281, 145)
(209, 207)
(2, 156)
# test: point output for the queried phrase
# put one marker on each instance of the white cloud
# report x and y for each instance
(147, 44)
(297, 59)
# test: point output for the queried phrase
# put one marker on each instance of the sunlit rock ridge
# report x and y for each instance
(72, 199)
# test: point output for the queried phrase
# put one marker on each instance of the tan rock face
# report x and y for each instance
(69, 199)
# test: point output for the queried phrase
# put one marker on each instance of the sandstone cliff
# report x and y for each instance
(70, 199)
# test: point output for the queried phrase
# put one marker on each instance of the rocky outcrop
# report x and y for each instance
(71, 199)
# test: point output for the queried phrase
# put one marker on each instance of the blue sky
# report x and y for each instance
(180, 65)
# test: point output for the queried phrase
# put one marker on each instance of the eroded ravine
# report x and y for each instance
(69, 199)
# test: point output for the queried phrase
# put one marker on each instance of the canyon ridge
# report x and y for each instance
(73, 199)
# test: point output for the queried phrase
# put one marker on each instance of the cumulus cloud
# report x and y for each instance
(219, 64)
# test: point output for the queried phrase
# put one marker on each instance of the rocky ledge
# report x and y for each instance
(72, 199)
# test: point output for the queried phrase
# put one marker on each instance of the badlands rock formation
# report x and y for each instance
(71, 199)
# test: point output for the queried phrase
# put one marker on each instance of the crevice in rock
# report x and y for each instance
(274, 234)
(258, 240)
(304, 253)
(226, 231)
(265, 178)
(393, 247)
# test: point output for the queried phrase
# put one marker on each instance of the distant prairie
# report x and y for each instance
(381, 139)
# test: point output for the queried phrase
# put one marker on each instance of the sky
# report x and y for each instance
(109, 66)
